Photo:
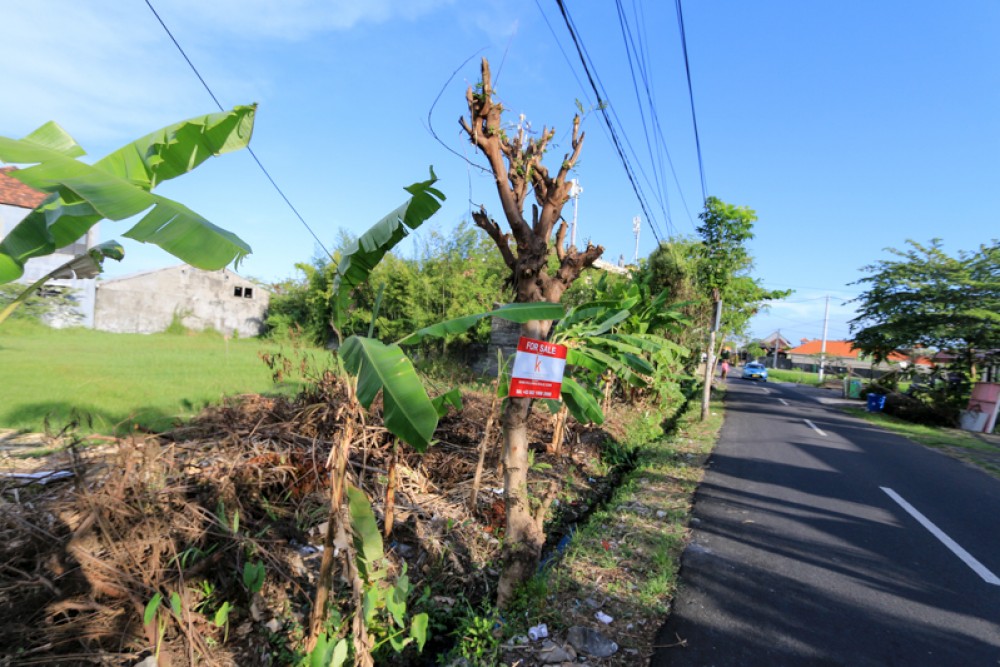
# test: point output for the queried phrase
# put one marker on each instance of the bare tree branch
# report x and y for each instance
(493, 230)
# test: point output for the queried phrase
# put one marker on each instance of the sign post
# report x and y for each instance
(538, 369)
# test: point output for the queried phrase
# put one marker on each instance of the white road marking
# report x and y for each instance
(964, 555)
(814, 427)
(783, 401)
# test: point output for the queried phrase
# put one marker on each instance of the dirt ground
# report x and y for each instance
(184, 514)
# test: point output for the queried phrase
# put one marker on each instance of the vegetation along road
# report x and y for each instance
(819, 540)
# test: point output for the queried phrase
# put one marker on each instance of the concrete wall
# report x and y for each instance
(504, 335)
(147, 302)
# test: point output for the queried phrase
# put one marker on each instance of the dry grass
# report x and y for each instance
(181, 514)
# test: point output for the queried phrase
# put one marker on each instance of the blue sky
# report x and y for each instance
(849, 127)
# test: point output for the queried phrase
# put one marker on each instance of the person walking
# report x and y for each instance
(724, 369)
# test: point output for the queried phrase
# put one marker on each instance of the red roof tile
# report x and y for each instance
(838, 348)
(16, 193)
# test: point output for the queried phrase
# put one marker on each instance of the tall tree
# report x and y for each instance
(928, 298)
(724, 231)
(516, 163)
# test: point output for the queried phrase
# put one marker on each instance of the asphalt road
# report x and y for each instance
(802, 552)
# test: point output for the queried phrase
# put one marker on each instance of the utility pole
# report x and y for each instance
(822, 347)
(777, 342)
(574, 191)
(636, 226)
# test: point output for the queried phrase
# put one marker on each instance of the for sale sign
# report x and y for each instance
(538, 369)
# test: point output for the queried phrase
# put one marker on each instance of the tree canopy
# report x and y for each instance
(927, 298)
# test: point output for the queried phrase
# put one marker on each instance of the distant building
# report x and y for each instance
(17, 200)
(842, 356)
(149, 302)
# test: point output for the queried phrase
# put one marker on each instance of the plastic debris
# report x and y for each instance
(540, 631)
(602, 617)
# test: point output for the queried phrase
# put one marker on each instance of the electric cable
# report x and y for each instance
(249, 149)
(607, 120)
(694, 117)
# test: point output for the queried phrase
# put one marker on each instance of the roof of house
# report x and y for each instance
(15, 193)
(782, 342)
(838, 348)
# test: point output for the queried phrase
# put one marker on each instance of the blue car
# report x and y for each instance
(755, 371)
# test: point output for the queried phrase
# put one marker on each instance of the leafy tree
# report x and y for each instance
(697, 272)
(451, 276)
(516, 162)
(927, 298)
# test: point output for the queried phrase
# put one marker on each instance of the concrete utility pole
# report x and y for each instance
(574, 191)
(636, 226)
(777, 342)
(822, 347)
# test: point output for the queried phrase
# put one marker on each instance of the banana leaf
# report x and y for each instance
(452, 397)
(367, 538)
(581, 404)
(408, 412)
(514, 312)
(118, 187)
(364, 254)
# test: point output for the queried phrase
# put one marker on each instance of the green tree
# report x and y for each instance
(927, 298)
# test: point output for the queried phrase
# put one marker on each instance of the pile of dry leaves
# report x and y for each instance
(189, 513)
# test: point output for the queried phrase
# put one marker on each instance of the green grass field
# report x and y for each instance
(116, 380)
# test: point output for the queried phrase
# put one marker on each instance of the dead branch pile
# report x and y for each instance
(183, 513)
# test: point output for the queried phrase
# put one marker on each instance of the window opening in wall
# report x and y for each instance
(237, 291)
(247, 292)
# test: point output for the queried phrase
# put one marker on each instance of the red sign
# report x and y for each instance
(538, 369)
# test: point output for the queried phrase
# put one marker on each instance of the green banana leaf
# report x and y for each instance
(118, 187)
(623, 366)
(361, 256)
(578, 357)
(452, 397)
(367, 538)
(581, 403)
(514, 312)
(408, 413)
(612, 344)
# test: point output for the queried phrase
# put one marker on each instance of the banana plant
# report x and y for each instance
(612, 338)
(119, 186)
(410, 414)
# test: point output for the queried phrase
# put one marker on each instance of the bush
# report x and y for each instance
(930, 408)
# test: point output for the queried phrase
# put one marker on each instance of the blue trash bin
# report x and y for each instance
(876, 402)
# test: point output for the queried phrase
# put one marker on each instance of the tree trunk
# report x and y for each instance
(523, 536)
(483, 444)
(558, 431)
(334, 526)
(390, 491)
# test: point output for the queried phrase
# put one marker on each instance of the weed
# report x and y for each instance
(476, 637)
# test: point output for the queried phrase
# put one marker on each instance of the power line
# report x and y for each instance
(694, 117)
(249, 149)
(626, 31)
(607, 120)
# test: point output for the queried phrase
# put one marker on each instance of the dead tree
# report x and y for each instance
(516, 163)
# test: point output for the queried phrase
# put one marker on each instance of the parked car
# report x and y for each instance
(755, 371)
